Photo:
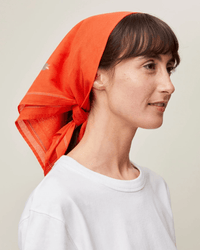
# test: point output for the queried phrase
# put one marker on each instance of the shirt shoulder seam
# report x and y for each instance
(41, 213)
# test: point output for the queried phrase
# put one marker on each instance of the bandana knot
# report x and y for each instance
(79, 115)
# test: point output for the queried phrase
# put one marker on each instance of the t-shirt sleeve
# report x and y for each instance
(41, 231)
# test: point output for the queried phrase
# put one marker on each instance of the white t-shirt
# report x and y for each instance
(75, 208)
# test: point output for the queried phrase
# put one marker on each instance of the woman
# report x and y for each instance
(109, 76)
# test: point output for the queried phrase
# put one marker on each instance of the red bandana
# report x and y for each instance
(64, 84)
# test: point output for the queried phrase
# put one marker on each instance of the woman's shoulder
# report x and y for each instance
(55, 191)
(157, 184)
(154, 179)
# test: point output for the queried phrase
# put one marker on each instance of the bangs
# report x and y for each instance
(141, 34)
(150, 38)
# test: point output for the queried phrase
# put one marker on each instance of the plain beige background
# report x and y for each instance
(29, 32)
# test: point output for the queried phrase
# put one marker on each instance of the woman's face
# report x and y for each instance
(139, 89)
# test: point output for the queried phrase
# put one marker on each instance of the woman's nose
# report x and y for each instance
(166, 84)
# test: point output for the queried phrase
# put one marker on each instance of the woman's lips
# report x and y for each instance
(160, 106)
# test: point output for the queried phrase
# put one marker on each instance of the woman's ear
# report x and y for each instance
(100, 80)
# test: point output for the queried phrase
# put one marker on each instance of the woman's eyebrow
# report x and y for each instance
(158, 57)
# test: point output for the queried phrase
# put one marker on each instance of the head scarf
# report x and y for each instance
(64, 85)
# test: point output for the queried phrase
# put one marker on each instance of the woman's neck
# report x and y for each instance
(105, 146)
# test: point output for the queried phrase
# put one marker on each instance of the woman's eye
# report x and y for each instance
(150, 66)
(170, 70)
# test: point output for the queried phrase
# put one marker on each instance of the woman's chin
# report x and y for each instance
(152, 124)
